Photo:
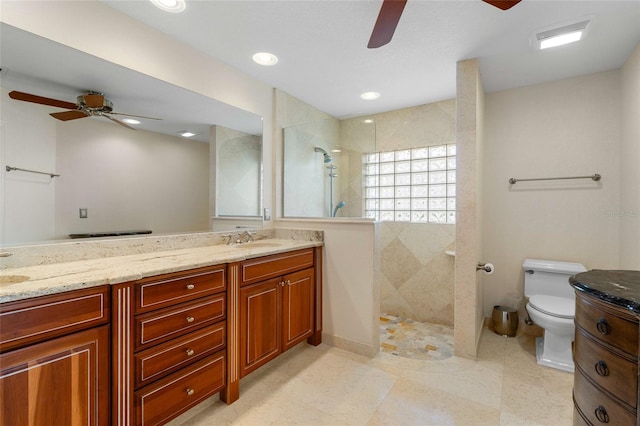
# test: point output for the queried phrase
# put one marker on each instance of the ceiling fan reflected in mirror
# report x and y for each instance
(390, 13)
(91, 104)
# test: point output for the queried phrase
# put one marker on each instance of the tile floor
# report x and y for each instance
(328, 386)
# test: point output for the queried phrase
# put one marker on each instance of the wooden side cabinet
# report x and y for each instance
(61, 380)
(279, 312)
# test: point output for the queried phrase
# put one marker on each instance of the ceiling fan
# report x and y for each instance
(90, 104)
(391, 11)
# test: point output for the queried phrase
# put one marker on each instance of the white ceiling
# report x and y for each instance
(324, 60)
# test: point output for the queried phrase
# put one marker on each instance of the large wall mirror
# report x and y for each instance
(147, 179)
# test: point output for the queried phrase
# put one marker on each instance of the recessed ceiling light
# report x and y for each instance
(186, 133)
(265, 58)
(562, 35)
(173, 6)
(368, 96)
(130, 121)
(368, 121)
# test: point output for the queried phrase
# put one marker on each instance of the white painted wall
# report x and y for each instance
(562, 128)
(129, 180)
(629, 208)
(28, 141)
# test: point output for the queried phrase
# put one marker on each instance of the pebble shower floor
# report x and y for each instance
(407, 338)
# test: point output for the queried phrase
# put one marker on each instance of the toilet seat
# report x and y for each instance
(555, 306)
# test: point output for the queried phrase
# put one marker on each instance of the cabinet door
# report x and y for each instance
(260, 311)
(64, 381)
(298, 308)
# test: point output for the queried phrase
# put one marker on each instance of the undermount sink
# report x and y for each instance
(13, 279)
(258, 244)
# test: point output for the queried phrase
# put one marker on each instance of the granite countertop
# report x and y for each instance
(33, 281)
(621, 288)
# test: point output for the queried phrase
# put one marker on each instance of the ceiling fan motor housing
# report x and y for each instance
(95, 102)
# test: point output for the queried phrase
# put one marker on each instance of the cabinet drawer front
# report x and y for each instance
(615, 374)
(177, 353)
(167, 323)
(266, 267)
(177, 288)
(175, 394)
(33, 320)
(597, 406)
(606, 326)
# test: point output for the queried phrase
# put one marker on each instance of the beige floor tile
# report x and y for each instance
(328, 386)
(413, 403)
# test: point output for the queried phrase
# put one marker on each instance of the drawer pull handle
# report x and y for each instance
(190, 319)
(190, 286)
(601, 414)
(190, 391)
(602, 369)
(603, 326)
(190, 352)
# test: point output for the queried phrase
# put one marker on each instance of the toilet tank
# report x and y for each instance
(549, 277)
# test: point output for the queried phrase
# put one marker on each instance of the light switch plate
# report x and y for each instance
(84, 213)
(267, 213)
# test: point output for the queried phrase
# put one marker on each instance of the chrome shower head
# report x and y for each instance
(327, 157)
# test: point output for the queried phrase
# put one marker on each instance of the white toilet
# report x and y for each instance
(552, 307)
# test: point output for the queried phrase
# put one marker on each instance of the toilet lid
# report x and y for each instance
(561, 307)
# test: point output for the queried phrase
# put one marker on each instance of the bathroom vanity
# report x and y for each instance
(606, 347)
(169, 331)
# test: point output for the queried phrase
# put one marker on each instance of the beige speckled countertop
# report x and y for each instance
(60, 277)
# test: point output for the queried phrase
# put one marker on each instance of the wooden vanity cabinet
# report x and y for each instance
(277, 306)
(606, 360)
(170, 337)
(54, 365)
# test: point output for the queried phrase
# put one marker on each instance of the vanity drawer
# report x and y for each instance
(612, 372)
(263, 268)
(33, 320)
(597, 406)
(175, 394)
(601, 322)
(160, 292)
(177, 353)
(164, 324)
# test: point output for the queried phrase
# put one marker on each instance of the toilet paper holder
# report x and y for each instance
(486, 267)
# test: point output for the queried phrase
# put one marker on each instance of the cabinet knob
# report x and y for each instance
(603, 326)
(190, 391)
(288, 282)
(190, 286)
(601, 414)
(602, 369)
(190, 352)
(281, 283)
(190, 319)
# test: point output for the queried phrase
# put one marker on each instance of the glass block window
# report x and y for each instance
(411, 185)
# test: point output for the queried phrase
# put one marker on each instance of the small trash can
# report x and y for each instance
(505, 320)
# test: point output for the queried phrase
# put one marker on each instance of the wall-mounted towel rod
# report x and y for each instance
(595, 177)
(9, 168)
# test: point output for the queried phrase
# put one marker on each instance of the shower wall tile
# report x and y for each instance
(417, 276)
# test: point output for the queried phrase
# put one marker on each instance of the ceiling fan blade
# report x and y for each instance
(68, 115)
(386, 23)
(94, 100)
(118, 122)
(21, 96)
(504, 5)
(131, 115)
